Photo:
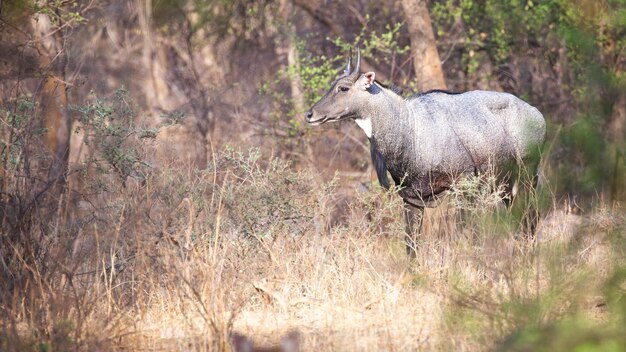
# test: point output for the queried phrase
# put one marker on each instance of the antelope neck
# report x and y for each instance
(383, 105)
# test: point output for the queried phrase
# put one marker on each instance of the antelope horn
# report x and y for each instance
(346, 71)
(358, 61)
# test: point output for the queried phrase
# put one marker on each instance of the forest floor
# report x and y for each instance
(188, 259)
(359, 292)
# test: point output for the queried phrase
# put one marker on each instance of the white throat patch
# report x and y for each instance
(366, 126)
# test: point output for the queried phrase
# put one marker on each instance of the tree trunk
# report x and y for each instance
(53, 96)
(289, 47)
(153, 60)
(295, 83)
(426, 60)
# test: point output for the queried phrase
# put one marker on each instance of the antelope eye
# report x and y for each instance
(344, 89)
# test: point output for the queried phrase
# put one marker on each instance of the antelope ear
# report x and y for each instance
(366, 80)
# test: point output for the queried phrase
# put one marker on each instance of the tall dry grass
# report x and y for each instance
(170, 258)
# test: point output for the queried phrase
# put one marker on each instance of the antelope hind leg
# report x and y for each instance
(522, 189)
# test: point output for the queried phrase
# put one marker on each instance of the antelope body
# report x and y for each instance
(429, 139)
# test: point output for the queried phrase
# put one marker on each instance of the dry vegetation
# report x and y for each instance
(178, 260)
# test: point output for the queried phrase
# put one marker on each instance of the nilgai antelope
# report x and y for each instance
(427, 140)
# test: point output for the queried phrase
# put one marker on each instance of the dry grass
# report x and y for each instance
(184, 259)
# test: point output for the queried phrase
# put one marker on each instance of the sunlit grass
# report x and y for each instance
(186, 259)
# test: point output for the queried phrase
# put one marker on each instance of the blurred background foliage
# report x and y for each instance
(566, 57)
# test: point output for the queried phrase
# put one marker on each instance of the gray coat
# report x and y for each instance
(429, 139)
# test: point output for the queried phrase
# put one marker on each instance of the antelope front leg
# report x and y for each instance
(413, 217)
